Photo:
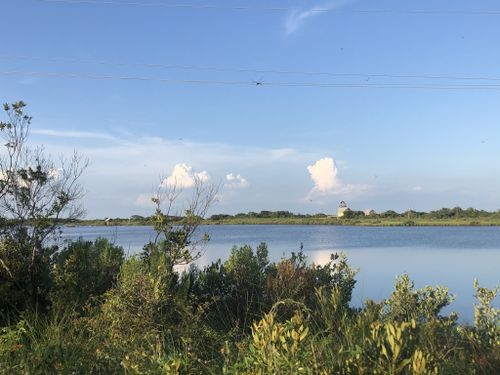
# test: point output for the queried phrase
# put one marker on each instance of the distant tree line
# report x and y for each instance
(265, 214)
(443, 213)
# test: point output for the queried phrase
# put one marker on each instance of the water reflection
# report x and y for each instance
(379, 267)
(449, 256)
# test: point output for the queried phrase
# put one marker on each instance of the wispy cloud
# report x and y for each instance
(324, 174)
(298, 17)
(28, 81)
(74, 134)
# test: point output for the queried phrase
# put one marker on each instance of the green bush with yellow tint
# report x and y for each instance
(243, 316)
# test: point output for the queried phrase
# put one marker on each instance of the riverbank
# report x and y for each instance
(369, 222)
(354, 222)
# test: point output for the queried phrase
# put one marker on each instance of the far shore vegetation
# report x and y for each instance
(443, 217)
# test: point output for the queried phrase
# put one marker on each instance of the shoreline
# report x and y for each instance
(351, 223)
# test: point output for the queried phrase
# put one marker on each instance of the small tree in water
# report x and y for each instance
(177, 240)
(36, 196)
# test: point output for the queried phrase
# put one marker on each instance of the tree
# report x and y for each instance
(36, 196)
(389, 214)
(176, 238)
(83, 270)
(350, 214)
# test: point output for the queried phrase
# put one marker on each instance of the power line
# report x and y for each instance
(251, 83)
(273, 9)
(250, 70)
(122, 78)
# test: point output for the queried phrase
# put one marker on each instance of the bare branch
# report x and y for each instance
(36, 194)
(177, 234)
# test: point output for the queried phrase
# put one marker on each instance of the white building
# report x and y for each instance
(342, 208)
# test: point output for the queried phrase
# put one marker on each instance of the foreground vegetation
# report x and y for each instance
(83, 308)
(100, 313)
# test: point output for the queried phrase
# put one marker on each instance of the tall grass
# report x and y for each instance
(243, 316)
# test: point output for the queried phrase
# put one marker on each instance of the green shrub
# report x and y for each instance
(24, 284)
(423, 305)
(83, 270)
(274, 347)
(47, 344)
(147, 324)
(244, 316)
(485, 335)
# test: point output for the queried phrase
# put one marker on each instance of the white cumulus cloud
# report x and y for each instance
(183, 176)
(236, 181)
(324, 174)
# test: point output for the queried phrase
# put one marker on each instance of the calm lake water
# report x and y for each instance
(449, 256)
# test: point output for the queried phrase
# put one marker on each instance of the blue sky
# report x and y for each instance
(301, 148)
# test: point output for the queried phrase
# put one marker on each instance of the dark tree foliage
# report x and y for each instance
(83, 270)
(36, 196)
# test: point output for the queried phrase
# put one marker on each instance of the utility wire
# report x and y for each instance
(248, 70)
(251, 83)
(277, 9)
